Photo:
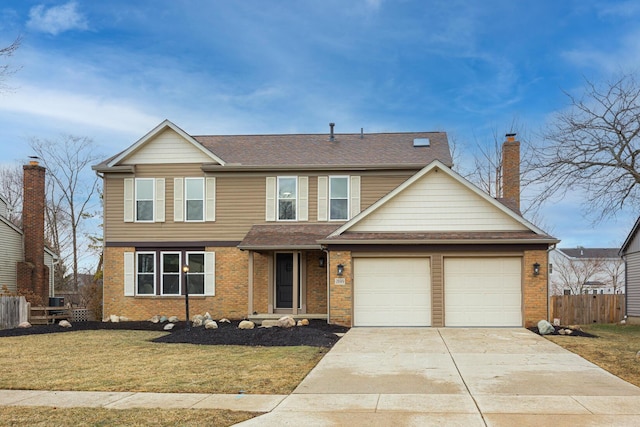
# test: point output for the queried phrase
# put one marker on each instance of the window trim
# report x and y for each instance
(203, 200)
(203, 274)
(295, 199)
(152, 200)
(137, 272)
(162, 273)
(347, 198)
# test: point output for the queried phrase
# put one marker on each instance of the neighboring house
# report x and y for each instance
(25, 261)
(574, 271)
(359, 229)
(630, 252)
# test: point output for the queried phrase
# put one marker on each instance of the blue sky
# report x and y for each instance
(112, 70)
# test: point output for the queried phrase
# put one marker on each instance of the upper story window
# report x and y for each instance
(171, 269)
(287, 198)
(338, 198)
(145, 273)
(194, 199)
(145, 190)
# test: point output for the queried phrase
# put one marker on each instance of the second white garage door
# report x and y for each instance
(392, 292)
(482, 292)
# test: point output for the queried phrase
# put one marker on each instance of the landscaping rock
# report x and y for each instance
(155, 319)
(269, 323)
(224, 320)
(168, 326)
(123, 319)
(246, 324)
(114, 319)
(198, 316)
(197, 322)
(564, 331)
(286, 322)
(545, 328)
(305, 322)
(64, 324)
(208, 316)
(24, 325)
(163, 319)
(173, 319)
(210, 324)
(574, 327)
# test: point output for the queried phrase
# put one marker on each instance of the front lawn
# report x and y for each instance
(614, 349)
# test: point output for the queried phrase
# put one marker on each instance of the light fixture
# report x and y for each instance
(185, 269)
(536, 269)
(340, 269)
(321, 262)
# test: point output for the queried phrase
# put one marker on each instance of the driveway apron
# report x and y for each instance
(454, 376)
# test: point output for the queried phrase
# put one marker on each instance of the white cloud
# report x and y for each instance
(56, 19)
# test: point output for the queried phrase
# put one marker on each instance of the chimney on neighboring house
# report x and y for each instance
(33, 274)
(511, 169)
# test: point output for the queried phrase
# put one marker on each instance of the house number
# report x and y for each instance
(339, 281)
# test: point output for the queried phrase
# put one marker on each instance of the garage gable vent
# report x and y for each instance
(421, 142)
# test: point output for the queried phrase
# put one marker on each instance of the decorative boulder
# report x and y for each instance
(210, 324)
(163, 319)
(24, 325)
(305, 322)
(64, 323)
(197, 322)
(155, 319)
(198, 316)
(114, 319)
(246, 324)
(168, 326)
(563, 331)
(286, 322)
(269, 323)
(173, 319)
(575, 327)
(124, 319)
(224, 320)
(545, 328)
(208, 316)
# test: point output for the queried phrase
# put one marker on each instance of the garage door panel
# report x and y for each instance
(483, 291)
(392, 292)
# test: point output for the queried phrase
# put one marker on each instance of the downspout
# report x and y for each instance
(549, 249)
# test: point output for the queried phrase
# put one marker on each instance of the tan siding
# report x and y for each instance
(167, 148)
(240, 203)
(11, 252)
(633, 284)
(437, 202)
(437, 291)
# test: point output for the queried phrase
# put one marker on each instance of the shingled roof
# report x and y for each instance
(590, 252)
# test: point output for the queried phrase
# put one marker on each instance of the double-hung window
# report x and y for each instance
(194, 199)
(146, 273)
(195, 276)
(338, 198)
(171, 270)
(287, 198)
(145, 190)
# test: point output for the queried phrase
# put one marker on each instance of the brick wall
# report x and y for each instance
(231, 290)
(261, 282)
(341, 296)
(511, 170)
(535, 298)
(316, 283)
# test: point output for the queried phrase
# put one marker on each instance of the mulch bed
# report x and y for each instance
(575, 333)
(317, 334)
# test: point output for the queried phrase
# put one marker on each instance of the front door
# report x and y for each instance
(284, 280)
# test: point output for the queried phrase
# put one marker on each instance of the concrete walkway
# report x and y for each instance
(414, 376)
(466, 377)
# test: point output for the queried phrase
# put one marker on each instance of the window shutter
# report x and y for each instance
(323, 189)
(271, 199)
(159, 202)
(354, 196)
(128, 200)
(210, 273)
(210, 202)
(178, 200)
(129, 274)
(303, 198)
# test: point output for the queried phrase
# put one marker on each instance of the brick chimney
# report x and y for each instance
(511, 169)
(33, 274)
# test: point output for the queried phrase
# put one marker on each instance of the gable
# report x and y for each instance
(437, 202)
(167, 147)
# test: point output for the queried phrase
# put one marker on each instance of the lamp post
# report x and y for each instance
(185, 270)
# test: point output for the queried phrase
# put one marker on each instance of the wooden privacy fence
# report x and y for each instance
(584, 309)
(13, 311)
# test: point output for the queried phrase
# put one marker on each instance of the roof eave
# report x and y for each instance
(437, 241)
(211, 167)
(278, 247)
(114, 169)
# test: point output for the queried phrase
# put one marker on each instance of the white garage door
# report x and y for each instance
(482, 292)
(392, 292)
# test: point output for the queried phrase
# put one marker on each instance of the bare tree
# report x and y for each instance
(594, 146)
(574, 274)
(6, 69)
(73, 189)
(614, 270)
(11, 190)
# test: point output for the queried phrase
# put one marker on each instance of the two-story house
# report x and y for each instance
(361, 229)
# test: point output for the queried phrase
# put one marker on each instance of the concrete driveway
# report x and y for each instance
(466, 377)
